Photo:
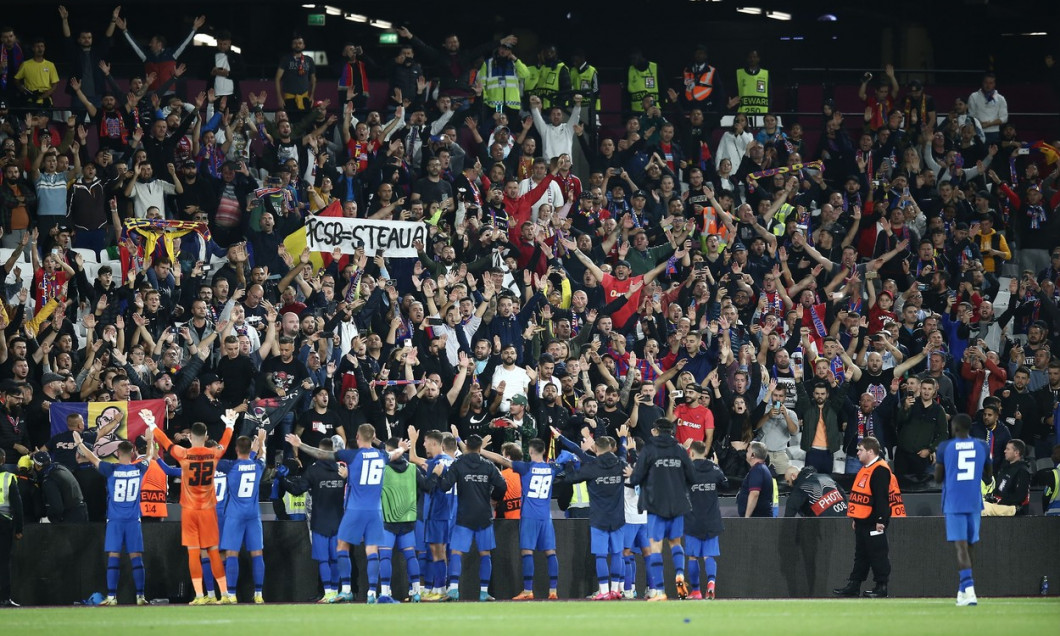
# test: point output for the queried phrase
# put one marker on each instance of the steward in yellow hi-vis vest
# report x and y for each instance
(752, 85)
(642, 80)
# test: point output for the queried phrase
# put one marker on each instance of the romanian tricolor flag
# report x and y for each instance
(114, 422)
(296, 241)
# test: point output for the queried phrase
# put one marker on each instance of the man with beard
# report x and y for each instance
(318, 423)
(1019, 406)
(432, 189)
(14, 434)
(611, 417)
(875, 380)
(117, 129)
(867, 422)
(547, 410)
(432, 407)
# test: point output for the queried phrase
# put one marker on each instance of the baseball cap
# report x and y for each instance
(639, 193)
(41, 458)
(961, 225)
(209, 378)
(161, 374)
(188, 163)
(62, 227)
(983, 194)
(519, 398)
(586, 195)
(623, 263)
(739, 247)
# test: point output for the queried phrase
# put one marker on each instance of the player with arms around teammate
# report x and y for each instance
(401, 484)
(243, 515)
(363, 520)
(605, 480)
(478, 481)
(664, 472)
(961, 465)
(437, 510)
(123, 514)
(326, 484)
(536, 531)
(703, 524)
(198, 499)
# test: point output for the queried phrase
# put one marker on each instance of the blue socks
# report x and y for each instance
(485, 572)
(693, 573)
(455, 565)
(601, 569)
(345, 568)
(232, 572)
(113, 572)
(326, 577)
(677, 554)
(711, 568)
(528, 572)
(138, 574)
(257, 568)
(412, 564)
(966, 579)
(630, 572)
(553, 571)
(373, 572)
(655, 568)
(207, 576)
(616, 570)
(386, 567)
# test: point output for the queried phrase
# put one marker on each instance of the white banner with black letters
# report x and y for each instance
(392, 238)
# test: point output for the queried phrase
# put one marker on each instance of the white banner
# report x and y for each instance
(393, 238)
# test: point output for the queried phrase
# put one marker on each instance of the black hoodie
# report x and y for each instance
(479, 481)
(322, 481)
(704, 522)
(603, 477)
(664, 472)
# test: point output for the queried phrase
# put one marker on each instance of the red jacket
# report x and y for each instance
(520, 209)
(997, 379)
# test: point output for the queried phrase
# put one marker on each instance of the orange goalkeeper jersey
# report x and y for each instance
(197, 467)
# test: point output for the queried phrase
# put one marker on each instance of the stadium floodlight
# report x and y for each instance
(381, 24)
(778, 15)
(749, 10)
(330, 10)
(204, 39)
(356, 17)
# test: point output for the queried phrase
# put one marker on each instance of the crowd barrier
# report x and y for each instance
(761, 558)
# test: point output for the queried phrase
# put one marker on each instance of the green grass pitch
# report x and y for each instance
(893, 617)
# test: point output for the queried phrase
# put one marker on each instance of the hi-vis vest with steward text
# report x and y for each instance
(699, 86)
(860, 504)
(502, 84)
(294, 505)
(580, 498)
(640, 84)
(753, 91)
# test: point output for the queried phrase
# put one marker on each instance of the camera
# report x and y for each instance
(678, 394)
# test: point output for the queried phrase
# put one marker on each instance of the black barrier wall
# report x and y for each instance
(761, 558)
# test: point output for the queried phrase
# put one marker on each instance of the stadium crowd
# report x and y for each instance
(775, 299)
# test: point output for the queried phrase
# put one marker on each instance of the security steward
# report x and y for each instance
(10, 528)
(870, 509)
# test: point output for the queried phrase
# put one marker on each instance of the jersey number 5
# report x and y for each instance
(372, 472)
(966, 465)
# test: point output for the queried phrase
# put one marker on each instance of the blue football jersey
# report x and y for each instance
(244, 484)
(964, 459)
(123, 489)
(537, 488)
(440, 505)
(365, 479)
(220, 485)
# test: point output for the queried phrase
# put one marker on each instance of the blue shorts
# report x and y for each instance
(602, 542)
(462, 536)
(536, 534)
(242, 531)
(324, 549)
(660, 528)
(963, 526)
(399, 542)
(125, 532)
(702, 547)
(635, 535)
(436, 531)
(362, 526)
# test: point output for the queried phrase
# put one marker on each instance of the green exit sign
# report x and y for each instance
(388, 38)
(315, 19)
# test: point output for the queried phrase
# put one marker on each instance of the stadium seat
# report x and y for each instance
(89, 255)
